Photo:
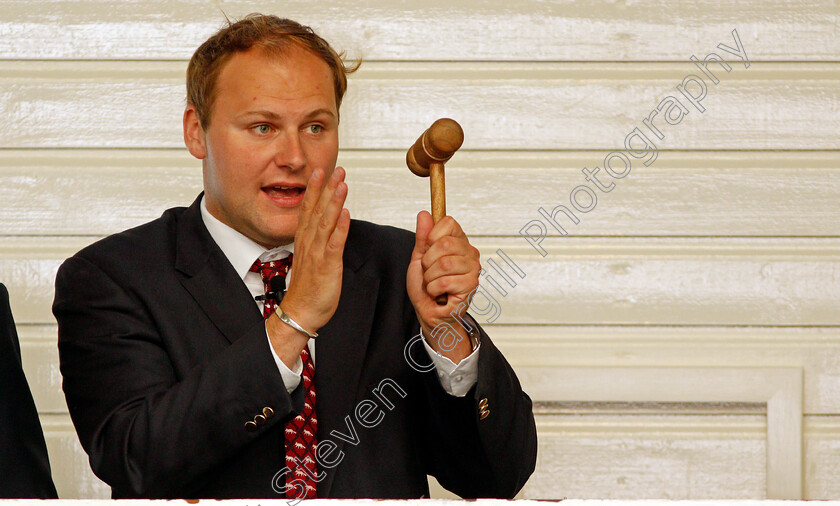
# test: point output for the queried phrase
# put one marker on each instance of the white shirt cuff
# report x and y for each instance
(291, 378)
(456, 380)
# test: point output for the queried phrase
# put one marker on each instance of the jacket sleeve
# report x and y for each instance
(24, 466)
(473, 456)
(148, 431)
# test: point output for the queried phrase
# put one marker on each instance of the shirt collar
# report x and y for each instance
(240, 250)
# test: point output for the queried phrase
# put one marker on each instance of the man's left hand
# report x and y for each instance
(443, 262)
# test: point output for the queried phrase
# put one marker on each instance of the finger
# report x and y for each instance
(339, 236)
(451, 265)
(446, 226)
(330, 185)
(310, 197)
(448, 246)
(327, 223)
(421, 234)
(327, 193)
(452, 285)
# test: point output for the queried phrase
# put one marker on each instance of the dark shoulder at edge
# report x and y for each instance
(145, 237)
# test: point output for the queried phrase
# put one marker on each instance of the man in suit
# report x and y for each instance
(24, 465)
(179, 387)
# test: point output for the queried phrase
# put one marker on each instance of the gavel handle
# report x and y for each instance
(438, 186)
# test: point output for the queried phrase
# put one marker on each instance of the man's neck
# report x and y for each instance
(240, 250)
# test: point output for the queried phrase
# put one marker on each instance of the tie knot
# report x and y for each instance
(269, 270)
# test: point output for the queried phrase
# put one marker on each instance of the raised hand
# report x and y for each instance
(315, 285)
(443, 261)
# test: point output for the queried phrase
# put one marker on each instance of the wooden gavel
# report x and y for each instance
(426, 158)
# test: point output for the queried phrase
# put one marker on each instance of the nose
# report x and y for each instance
(289, 151)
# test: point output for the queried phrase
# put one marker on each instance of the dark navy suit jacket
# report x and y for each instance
(165, 358)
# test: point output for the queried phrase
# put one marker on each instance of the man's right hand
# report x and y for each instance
(315, 286)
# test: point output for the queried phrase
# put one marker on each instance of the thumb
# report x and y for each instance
(424, 227)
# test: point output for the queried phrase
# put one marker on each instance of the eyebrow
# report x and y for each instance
(273, 116)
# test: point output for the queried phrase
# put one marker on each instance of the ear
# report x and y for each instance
(194, 134)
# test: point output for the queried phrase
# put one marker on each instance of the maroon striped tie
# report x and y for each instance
(301, 430)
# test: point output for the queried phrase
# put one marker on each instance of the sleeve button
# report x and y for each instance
(251, 426)
(267, 412)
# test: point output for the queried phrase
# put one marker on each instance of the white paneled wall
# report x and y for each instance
(721, 257)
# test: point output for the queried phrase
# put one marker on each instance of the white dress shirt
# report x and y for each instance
(241, 253)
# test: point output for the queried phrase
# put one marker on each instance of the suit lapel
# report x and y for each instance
(211, 279)
(341, 347)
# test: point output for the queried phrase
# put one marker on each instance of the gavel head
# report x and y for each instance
(437, 145)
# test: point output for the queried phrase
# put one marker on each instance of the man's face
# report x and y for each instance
(273, 122)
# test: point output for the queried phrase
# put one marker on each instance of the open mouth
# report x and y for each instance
(285, 195)
(284, 192)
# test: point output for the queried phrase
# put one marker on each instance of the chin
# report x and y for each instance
(279, 237)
